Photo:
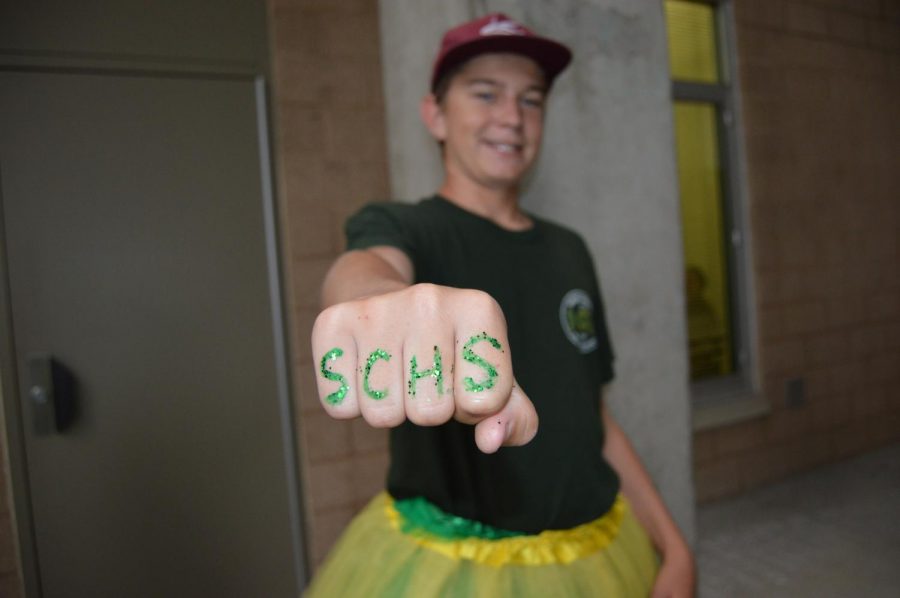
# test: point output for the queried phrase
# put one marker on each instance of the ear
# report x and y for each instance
(432, 115)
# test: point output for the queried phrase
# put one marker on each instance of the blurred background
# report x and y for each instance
(174, 178)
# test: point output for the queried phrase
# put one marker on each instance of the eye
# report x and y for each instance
(532, 101)
(485, 96)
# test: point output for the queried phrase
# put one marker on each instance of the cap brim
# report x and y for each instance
(551, 56)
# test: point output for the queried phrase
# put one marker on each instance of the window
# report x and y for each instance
(712, 218)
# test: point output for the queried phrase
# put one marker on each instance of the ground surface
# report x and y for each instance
(832, 532)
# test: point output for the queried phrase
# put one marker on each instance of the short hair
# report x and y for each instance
(442, 85)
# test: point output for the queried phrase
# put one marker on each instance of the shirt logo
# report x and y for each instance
(498, 27)
(576, 315)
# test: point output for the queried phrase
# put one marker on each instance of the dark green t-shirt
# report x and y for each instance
(544, 281)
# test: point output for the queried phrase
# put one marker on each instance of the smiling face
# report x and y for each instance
(490, 121)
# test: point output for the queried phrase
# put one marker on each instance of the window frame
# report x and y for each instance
(732, 397)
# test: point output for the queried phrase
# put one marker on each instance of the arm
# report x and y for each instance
(366, 272)
(676, 576)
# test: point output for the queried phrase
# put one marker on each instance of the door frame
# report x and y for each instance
(10, 387)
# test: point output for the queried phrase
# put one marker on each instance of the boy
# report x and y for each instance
(432, 319)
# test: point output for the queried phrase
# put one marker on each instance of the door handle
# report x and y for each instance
(51, 393)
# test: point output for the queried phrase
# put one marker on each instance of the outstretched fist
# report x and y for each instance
(426, 353)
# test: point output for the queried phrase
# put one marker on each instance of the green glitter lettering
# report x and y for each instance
(373, 357)
(469, 383)
(337, 397)
(436, 372)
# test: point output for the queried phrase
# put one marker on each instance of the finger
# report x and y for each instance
(482, 375)
(334, 351)
(516, 424)
(428, 379)
(380, 363)
(380, 383)
(483, 369)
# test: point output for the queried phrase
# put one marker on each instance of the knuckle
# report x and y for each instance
(426, 298)
(330, 319)
(478, 406)
(343, 412)
(482, 300)
(431, 414)
(385, 418)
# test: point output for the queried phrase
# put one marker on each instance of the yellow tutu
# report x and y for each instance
(392, 549)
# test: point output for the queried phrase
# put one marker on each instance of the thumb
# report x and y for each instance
(514, 425)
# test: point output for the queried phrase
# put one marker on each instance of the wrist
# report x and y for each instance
(674, 547)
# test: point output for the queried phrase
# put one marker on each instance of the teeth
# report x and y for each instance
(505, 147)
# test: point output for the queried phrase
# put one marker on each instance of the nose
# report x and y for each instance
(509, 111)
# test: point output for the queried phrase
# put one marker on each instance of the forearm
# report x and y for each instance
(638, 488)
(364, 273)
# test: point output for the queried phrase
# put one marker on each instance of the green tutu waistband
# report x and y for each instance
(417, 515)
(460, 538)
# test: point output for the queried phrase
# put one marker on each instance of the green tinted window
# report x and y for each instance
(706, 261)
(692, 41)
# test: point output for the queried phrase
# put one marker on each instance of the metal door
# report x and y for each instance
(133, 212)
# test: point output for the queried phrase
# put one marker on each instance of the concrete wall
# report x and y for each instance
(607, 170)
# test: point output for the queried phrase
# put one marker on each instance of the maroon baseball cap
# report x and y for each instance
(498, 33)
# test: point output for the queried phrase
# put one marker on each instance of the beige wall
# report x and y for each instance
(820, 86)
(331, 159)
